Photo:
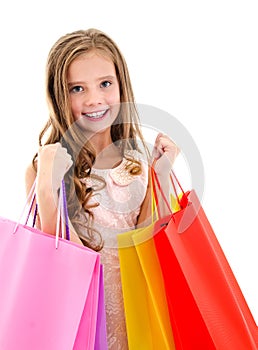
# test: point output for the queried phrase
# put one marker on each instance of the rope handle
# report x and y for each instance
(62, 215)
(182, 200)
(62, 212)
(155, 181)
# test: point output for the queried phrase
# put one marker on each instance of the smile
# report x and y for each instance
(96, 115)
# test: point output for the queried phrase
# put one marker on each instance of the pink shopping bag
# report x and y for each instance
(101, 330)
(48, 296)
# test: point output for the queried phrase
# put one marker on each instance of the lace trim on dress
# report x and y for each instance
(119, 205)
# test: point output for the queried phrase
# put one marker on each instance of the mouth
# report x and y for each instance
(98, 115)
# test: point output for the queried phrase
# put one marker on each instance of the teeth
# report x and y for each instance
(95, 114)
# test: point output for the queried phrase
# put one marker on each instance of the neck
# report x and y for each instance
(101, 141)
(107, 153)
(108, 157)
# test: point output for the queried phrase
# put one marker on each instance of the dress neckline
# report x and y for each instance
(118, 165)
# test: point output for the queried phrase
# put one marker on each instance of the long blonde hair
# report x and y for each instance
(60, 126)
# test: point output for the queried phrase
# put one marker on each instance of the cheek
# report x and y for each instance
(114, 97)
(114, 112)
(75, 107)
(114, 102)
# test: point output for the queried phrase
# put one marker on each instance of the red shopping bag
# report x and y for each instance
(207, 307)
(49, 295)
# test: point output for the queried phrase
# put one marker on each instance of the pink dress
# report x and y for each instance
(120, 201)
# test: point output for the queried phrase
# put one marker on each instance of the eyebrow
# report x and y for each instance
(106, 77)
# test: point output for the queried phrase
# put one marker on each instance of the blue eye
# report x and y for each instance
(76, 89)
(105, 84)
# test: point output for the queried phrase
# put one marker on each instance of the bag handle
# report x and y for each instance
(182, 200)
(31, 195)
(155, 181)
(62, 212)
(62, 216)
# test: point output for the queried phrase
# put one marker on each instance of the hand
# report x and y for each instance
(53, 163)
(164, 154)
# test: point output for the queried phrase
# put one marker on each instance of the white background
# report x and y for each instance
(197, 60)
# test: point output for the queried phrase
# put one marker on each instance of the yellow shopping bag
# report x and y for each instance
(147, 317)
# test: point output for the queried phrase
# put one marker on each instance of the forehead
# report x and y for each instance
(92, 64)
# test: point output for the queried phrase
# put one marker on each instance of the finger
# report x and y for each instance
(158, 138)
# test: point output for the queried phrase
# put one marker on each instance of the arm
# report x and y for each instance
(164, 155)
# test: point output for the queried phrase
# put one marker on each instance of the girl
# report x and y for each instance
(93, 140)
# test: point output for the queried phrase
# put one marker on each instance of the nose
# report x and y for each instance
(92, 97)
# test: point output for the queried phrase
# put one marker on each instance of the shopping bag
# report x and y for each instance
(101, 330)
(48, 294)
(206, 305)
(146, 312)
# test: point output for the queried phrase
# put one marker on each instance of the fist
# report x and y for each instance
(53, 163)
(164, 154)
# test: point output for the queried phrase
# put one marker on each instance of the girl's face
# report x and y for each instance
(94, 92)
